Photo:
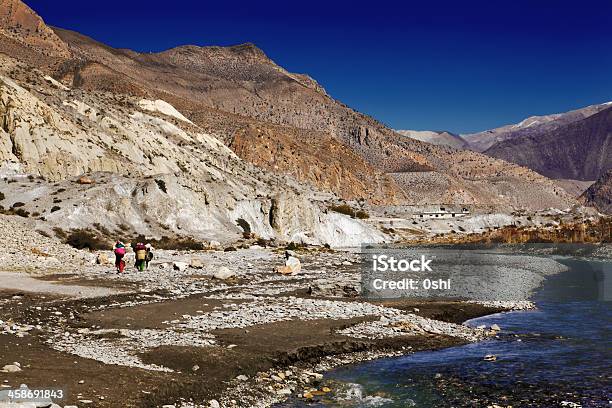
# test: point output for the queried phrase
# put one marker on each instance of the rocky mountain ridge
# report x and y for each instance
(531, 126)
(284, 123)
(444, 138)
(580, 150)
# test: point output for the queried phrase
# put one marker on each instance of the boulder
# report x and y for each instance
(490, 357)
(212, 245)
(292, 266)
(196, 263)
(102, 259)
(213, 404)
(85, 180)
(223, 273)
(179, 266)
(11, 368)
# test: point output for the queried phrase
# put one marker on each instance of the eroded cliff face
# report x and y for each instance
(152, 169)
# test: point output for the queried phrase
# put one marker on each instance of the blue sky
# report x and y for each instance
(462, 66)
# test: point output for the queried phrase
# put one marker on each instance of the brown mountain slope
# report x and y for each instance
(599, 195)
(239, 92)
(580, 150)
(21, 24)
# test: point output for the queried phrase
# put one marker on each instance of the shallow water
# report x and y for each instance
(558, 355)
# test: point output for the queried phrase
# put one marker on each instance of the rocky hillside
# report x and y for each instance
(287, 124)
(436, 137)
(599, 195)
(19, 23)
(150, 170)
(532, 126)
(581, 150)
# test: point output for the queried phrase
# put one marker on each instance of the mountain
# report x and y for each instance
(21, 27)
(599, 195)
(580, 150)
(532, 126)
(284, 123)
(436, 137)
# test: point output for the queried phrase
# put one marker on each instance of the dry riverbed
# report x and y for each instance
(176, 335)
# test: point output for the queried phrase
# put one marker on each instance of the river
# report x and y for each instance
(557, 355)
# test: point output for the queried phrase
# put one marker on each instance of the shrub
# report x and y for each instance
(350, 211)
(82, 239)
(343, 209)
(18, 204)
(21, 212)
(44, 233)
(292, 246)
(362, 215)
(2, 196)
(171, 243)
(102, 229)
(59, 233)
(55, 208)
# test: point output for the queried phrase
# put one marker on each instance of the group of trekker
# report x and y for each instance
(143, 254)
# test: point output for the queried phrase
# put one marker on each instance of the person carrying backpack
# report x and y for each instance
(149, 256)
(119, 250)
(141, 256)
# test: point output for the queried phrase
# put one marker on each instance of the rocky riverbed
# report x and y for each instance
(202, 328)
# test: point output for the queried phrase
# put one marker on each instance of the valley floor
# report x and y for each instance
(175, 335)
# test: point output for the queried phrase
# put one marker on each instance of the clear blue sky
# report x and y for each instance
(462, 66)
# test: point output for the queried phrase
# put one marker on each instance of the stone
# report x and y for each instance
(242, 377)
(214, 404)
(495, 327)
(179, 266)
(196, 263)
(292, 266)
(168, 406)
(490, 357)
(102, 259)
(316, 376)
(85, 180)
(283, 391)
(11, 368)
(223, 273)
(195, 368)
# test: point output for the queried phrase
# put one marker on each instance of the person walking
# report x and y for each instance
(141, 256)
(149, 256)
(119, 250)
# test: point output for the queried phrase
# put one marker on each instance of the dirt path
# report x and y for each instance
(26, 283)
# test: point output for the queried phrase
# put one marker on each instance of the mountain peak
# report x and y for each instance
(20, 23)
